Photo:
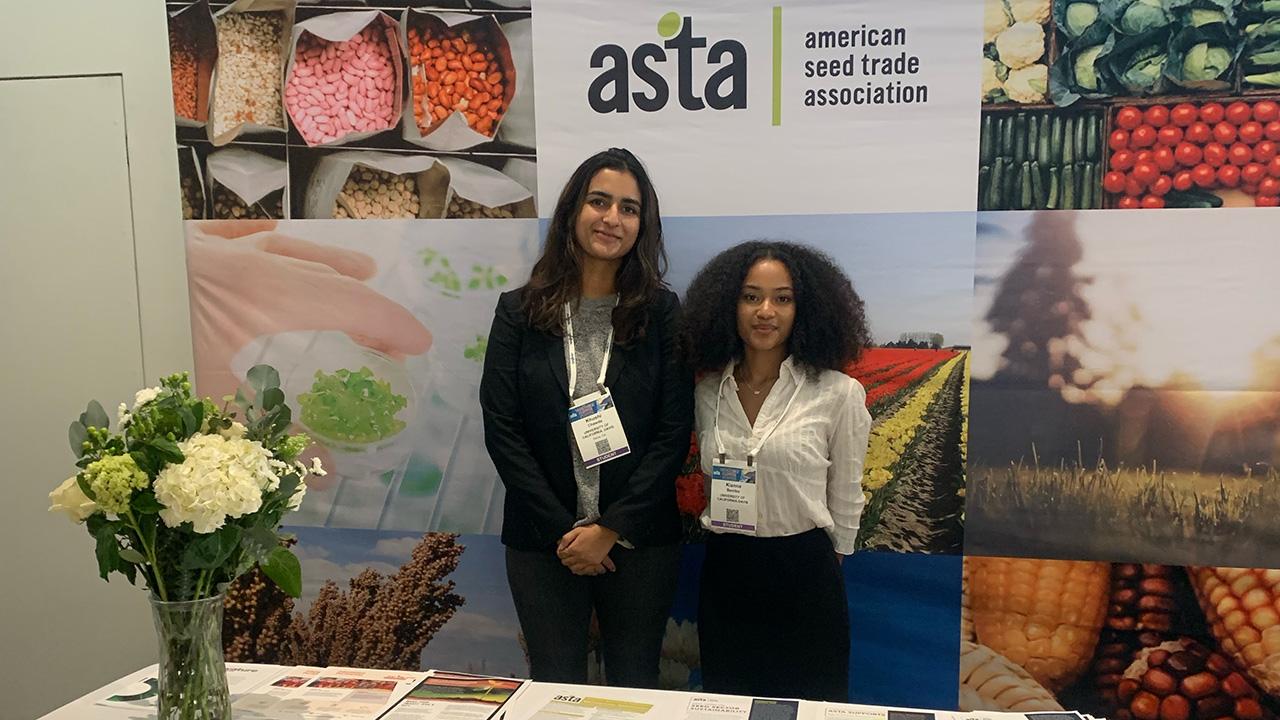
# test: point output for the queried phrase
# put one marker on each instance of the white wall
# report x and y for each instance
(95, 304)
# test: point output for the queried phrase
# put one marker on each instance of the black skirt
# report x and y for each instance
(773, 619)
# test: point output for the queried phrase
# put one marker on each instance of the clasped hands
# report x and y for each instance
(585, 549)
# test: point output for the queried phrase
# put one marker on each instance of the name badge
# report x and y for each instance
(733, 497)
(598, 429)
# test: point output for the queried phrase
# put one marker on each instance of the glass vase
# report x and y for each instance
(192, 675)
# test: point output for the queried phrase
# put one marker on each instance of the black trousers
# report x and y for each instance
(632, 604)
(773, 619)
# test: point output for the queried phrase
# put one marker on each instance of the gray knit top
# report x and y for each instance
(592, 320)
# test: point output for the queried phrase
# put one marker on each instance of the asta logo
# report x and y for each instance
(726, 87)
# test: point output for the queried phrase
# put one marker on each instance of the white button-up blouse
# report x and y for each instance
(809, 471)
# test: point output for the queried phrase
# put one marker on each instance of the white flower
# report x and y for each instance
(317, 468)
(295, 500)
(219, 478)
(236, 431)
(70, 499)
(122, 415)
(144, 396)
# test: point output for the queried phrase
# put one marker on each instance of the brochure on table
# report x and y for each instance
(275, 692)
(332, 693)
(445, 695)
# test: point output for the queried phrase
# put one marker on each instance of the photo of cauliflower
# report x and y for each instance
(1028, 84)
(1014, 63)
(1033, 11)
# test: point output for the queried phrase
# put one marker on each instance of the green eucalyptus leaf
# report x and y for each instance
(78, 434)
(95, 416)
(262, 378)
(271, 398)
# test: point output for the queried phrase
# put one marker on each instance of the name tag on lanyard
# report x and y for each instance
(597, 428)
(733, 497)
(733, 506)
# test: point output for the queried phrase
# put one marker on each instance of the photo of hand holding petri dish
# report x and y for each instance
(378, 334)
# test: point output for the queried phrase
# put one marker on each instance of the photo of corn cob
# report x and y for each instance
(1126, 641)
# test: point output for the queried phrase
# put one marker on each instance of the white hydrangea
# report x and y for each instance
(295, 500)
(144, 396)
(122, 415)
(236, 431)
(219, 478)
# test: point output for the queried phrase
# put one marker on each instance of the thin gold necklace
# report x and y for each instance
(766, 384)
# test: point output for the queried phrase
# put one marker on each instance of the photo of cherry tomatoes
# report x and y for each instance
(1253, 173)
(1204, 176)
(1264, 111)
(1119, 139)
(1251, 132)
(1224, 132)
(1113, 182)
(1199, 132)
(1128, 117)
(1183, 114)
(1171, 135)
(1156, 116)
(1229, 176)
(1143, 136)
(1212, 113)
(1238, 113)
(1188, 154)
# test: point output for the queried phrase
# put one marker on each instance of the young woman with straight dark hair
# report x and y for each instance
(588, 416)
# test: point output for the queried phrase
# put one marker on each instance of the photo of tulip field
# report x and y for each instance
(914, 472)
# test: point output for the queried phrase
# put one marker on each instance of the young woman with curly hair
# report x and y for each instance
(588, 528)
(783, 435)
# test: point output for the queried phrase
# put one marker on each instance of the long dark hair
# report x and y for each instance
(830, 328)
(557, 276)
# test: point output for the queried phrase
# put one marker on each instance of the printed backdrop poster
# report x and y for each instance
(1109, 548)
(759, 107)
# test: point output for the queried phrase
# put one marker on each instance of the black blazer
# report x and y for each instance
(525, 397)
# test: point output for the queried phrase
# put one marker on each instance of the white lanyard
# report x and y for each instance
(720, 448)
(573, 353)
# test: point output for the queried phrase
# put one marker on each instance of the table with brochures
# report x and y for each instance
(275, 692)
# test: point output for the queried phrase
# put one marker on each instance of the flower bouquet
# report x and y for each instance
(188, 498)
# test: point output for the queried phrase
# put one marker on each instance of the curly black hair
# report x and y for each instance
(830, 328)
